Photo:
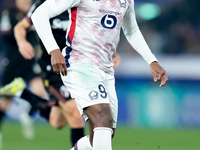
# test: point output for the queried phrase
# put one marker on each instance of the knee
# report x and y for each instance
(75, 119)
(55, 123)
(76, 115)
(105, 120)
(100, 115)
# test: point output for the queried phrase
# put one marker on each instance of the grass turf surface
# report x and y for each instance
(48, 138)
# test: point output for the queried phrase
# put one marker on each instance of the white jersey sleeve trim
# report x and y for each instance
(43, 13)
(135, 37)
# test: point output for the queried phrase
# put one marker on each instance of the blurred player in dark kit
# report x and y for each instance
(14, 64)
(61, 108)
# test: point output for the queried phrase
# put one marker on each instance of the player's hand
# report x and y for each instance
(26, 50)
(159, 73)
(58, 62)
(116, 60)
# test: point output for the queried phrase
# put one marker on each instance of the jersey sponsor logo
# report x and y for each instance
(109, 21)
(59, 24)
(110, 12)
(93, 95)
(122, 3)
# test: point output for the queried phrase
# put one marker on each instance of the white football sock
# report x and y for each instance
(102, 139)
(83, 144)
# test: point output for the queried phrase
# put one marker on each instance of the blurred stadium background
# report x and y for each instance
(150, 117)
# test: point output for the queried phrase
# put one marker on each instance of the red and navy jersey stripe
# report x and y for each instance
(71, 35)
(73, 25)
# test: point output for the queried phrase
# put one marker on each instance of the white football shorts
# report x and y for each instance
(89, 85)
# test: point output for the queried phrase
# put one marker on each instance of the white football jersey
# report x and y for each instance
(94, 30)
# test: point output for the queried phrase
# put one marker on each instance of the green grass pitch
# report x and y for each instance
(126, 138)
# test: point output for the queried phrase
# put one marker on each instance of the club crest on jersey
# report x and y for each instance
(93, 95)
(122, 3)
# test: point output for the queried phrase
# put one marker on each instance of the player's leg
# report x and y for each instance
(71, 112)
(68, 107)
(9, 73)
(86, 142)
(57, 119)
(91, 128)
(51, 113)
(17, 67)
(34, 80)
(47, 109)
(19, 110)
(75, 120)
(101, 117)
(83, 144)
(23, 118)
(37, 86)
(91, 95)
(42, 106)
(57, 91)
(35, 93)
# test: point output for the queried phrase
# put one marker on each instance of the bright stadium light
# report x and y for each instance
(148, 11)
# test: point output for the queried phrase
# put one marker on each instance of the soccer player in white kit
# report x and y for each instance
(86, 64)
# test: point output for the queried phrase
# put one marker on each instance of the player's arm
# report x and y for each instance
(25, 48)
(40, 18)
(20, 30)
(137, 41)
